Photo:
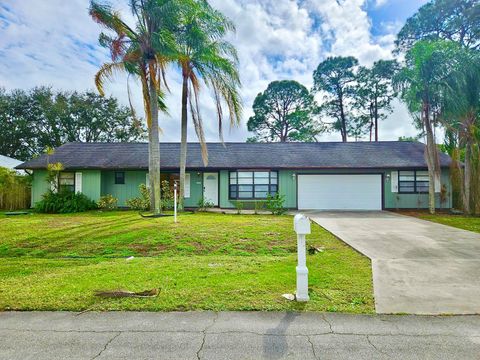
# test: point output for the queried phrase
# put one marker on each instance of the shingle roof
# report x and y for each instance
(327, 155)
(9, 162)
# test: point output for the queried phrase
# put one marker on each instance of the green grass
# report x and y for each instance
(470, 223)
(205, 262)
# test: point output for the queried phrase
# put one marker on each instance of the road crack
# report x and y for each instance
(329, 323)
(376, 349)
(313, 347)
(205, 334)
(106, 345)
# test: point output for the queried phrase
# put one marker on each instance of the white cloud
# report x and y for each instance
(380, 3)
(347, 25)
(56, 43)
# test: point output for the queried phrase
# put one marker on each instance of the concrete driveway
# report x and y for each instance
(419, 267)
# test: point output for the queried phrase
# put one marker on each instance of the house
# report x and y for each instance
(324, 175)
(10, 163)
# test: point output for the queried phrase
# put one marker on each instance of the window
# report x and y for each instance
(119, 177)
(413, 181)
(245, 185)
(66, 181)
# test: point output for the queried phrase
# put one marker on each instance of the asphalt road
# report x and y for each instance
(235, 335)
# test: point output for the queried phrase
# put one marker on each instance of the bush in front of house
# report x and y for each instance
(64, 202)
(203, 204)
(108, 202)
(275, 204)
(141, 202)
(167, 196)
(239, 205)
(259, 206)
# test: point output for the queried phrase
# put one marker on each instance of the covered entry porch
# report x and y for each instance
(124, 185)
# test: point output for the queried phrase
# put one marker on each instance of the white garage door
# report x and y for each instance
(340, 192)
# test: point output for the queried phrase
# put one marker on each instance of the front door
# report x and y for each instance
(210, 188)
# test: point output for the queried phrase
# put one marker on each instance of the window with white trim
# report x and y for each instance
(66, 181)
(413, 181)
(252, 185)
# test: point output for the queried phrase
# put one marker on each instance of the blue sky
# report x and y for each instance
(55, 43)
(391, 11)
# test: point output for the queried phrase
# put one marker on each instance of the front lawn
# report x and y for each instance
(470, 223)
(205, 262)
(462, 222)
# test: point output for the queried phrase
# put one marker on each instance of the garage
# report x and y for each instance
(340, 192)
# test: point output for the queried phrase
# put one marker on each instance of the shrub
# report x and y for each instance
(64, 202)
(108, 202)
(143, 201)
(259, 206)
(239, 205)
(204, 204)
(275, 204)
(167, 196)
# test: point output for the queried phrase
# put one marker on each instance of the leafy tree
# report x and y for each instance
(201, 53)
(409, 138)
(422, 84)
(374, 93)
(95, 118)
(335, 78)
(40, 118)
(284, 112)
(455, 20)
(17, 134)
(139, 51)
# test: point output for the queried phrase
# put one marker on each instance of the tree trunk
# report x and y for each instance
(183, 145)
(344, 128)
(430, 157)
(467, 178)
(150, 177)
(376, 119)
(154, 148)
(343, 124)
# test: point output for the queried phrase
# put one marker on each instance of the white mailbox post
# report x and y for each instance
(301, 225)
(175, 202)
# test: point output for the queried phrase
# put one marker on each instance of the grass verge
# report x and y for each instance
(471, 223)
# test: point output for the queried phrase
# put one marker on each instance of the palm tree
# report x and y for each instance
(203, 55)
(461, 115)
(137, 51)
(422, 82)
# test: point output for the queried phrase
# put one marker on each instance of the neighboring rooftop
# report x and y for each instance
(8, 162)
(320, 155)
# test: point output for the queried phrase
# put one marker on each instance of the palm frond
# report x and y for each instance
(104, 15)
(106, 72)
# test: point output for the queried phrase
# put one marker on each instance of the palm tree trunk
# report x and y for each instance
(467, 178)
(183, 145)
(150, 177)
(154, 148)
(430, 157)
